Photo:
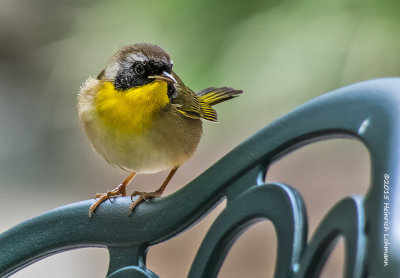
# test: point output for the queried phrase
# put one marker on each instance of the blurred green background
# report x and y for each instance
(281, 53)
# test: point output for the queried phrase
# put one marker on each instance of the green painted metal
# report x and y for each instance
(367, 111)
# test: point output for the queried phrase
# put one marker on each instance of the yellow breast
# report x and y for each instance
(131, 111)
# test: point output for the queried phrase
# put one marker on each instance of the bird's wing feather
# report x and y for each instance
(198, 106)
(189, 104)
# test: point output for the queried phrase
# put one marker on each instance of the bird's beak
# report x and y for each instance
(165, 76)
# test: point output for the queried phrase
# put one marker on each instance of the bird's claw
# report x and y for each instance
(143, 196)
(118, 191)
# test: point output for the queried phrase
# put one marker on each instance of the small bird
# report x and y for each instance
(141, 117)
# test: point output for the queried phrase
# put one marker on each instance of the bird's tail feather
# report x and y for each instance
(213, 95)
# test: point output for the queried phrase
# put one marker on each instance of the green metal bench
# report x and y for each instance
(367, 111)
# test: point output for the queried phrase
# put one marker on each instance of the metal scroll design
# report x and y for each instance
(367, 111)
(284, 208)
(276, 202)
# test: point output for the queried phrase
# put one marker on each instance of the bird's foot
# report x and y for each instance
(143, 196)
(120, 190)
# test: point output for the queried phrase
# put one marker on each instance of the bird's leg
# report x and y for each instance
(120, 190)
(147, 195)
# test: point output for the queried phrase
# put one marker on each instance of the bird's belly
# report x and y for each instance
(158, 148)
(140, 154)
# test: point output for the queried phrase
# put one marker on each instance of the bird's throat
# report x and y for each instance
(133, 110)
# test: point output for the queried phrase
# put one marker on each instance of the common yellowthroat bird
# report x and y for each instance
(141, 117)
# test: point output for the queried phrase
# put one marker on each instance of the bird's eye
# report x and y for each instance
(139, 69)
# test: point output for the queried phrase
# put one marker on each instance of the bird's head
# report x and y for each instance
(139, 64)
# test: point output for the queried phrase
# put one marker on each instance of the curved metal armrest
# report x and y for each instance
(367, 111)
